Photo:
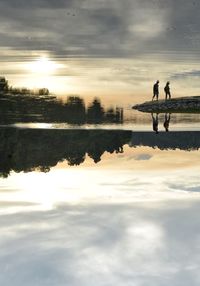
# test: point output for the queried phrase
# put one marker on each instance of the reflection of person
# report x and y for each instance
(156, 90)
(166, 122)
(167, 91)
(119, 149)
(155, 122)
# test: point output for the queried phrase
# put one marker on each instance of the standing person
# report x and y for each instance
(167, 90)
(156, 90)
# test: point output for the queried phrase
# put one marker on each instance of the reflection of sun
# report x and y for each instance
(42, 65)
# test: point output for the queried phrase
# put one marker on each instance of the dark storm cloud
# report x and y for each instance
(184, 28)
(38, 3)
(100, 28)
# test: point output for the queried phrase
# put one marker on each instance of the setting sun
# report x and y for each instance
(43, 65)
(44, 72)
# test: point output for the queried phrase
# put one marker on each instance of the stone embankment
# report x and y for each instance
(181, 104)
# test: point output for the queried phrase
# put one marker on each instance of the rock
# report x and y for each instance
(186, 104)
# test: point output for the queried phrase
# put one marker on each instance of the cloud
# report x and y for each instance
(81, 28)
(37, 3)
(99, 28)
(147, 23)
(186, 74)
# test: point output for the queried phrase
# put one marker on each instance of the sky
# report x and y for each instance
(101, 46)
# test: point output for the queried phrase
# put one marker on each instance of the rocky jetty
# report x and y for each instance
(181, 104)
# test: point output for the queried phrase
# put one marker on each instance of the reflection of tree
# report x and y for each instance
(40, 149)
(95, 151)
(30, 149)
(44, 108)
(44, 169)
(75, 154)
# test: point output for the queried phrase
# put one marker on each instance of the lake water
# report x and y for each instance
(108, 204)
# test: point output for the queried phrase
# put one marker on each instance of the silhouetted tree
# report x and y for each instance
(43, 91)
(95, 111)
(3, 84)
(75, 109)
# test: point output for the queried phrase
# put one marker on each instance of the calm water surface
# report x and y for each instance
(113, 204)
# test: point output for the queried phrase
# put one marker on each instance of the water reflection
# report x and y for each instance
(167, 121)
(28, 149)
(155, 121)
(40, 149)
(182, 140)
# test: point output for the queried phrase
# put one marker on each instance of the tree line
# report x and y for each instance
(23, 108)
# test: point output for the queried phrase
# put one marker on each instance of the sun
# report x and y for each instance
(42, 65)
(46, 71)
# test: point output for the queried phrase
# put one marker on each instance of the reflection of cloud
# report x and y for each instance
(184, 187)
(6, 204)
(140, 157)
(143, 157)
(122, 227)
(117, 244)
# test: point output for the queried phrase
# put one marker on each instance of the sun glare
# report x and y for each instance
(44, 72)
(43, 65)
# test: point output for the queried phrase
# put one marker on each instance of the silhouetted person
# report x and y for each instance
(167, 91)
(166, 122)
(156, 90)
(155, 122)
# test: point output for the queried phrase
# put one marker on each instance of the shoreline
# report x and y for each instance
(180, 104)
